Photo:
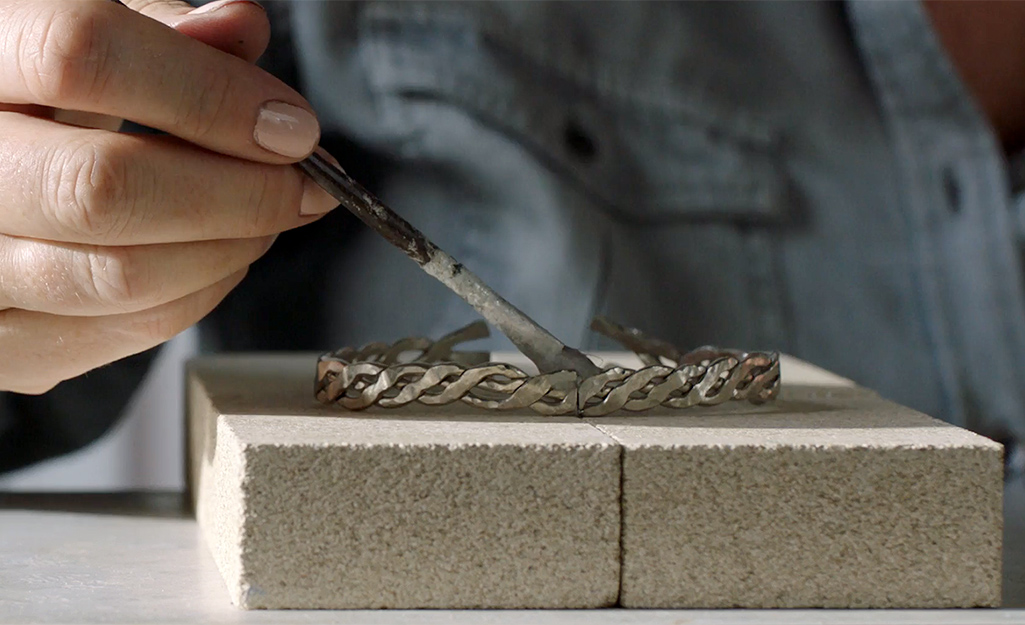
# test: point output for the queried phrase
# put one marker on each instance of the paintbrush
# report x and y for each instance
(536, 343)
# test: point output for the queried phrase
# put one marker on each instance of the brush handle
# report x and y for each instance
(547, 352)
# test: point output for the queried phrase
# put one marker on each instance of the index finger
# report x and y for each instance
(99, 57)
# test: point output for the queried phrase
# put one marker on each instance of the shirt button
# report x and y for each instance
(579, 142)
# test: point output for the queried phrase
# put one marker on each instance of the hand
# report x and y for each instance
(113, 243)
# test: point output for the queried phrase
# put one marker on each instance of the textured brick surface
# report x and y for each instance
(829, 498)
(304, 508)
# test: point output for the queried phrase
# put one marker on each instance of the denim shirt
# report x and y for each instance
(805, 177)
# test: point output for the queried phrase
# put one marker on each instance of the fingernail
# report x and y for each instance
(316, 200)
(286, 129)
(321, 152)
(220, 4)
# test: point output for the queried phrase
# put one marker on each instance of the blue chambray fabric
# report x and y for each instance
(805, 177)
(809, 177)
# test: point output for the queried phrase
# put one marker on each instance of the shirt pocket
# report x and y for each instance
(643, 157)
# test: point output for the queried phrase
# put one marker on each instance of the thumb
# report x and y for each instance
(238, 27)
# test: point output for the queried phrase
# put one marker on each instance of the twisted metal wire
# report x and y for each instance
(433, 374)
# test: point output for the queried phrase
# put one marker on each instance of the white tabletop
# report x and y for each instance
(139, 558)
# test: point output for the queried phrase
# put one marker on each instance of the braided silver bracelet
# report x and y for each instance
(379, 375)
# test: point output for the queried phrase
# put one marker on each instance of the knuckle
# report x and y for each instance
(88, 192)
(109, 276)
(272, 203)
(63, 55)
(204, 105)
(162, 325)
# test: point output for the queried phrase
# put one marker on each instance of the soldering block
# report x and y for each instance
(829, 497)
(309, 506)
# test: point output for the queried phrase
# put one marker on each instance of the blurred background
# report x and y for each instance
(145, 450)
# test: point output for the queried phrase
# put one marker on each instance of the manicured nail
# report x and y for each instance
(324, 154)
(286, 129)
(220, 4)
(317, 201)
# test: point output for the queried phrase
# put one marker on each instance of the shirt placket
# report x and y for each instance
(962, 219)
